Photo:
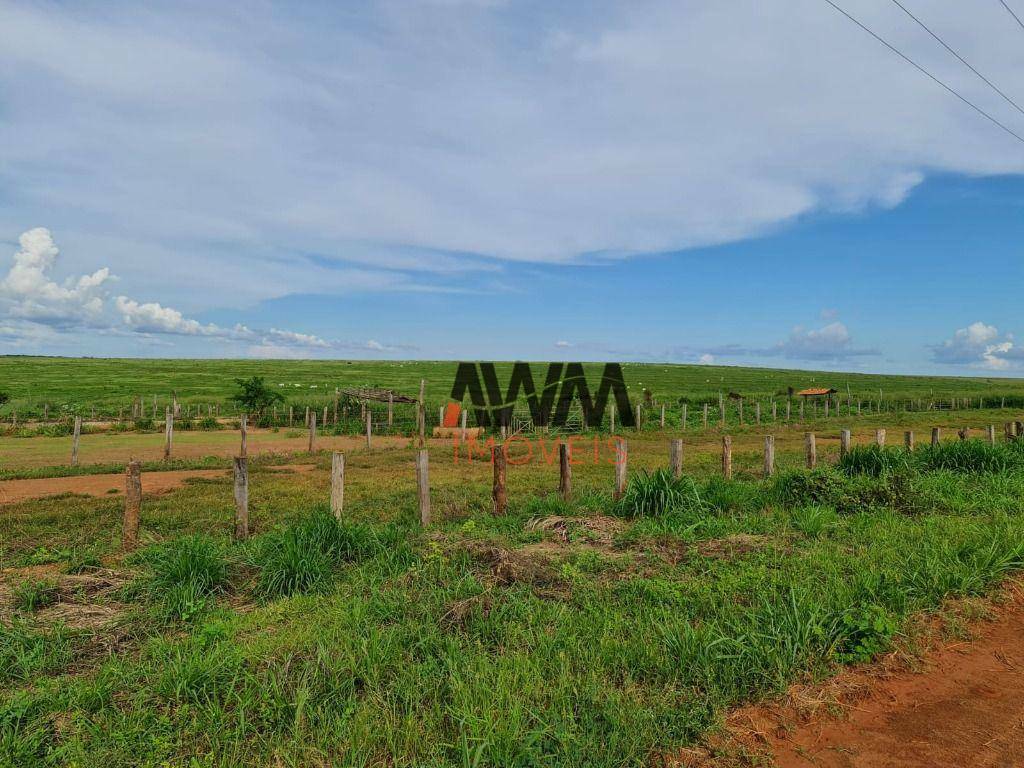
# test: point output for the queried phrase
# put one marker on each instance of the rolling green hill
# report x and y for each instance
(106, 383)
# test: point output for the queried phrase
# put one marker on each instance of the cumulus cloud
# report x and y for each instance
(979, 346)
(151, 317)
(40, 309)
(30, 291)
(830, 342)
(563, 344)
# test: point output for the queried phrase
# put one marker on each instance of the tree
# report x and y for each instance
(255, 396)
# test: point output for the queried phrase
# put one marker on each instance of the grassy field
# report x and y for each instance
(111, 384)
(585, 632)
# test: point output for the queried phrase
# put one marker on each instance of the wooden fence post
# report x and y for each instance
(312, 432)
(727, 457)
(74, 441)
(879, 437)
(811, 448)
(168, 432)
(423, 485)
(621, 468)
(241, 464)
(741, 410)
(675, 458)
(775, 411)
(337, 397)
(991, 430)
(611, 416)
(936, 435)
(908, 440)
(721, 411)
(463, 435)
(421, 411)
(844, 442)
(769, 455)
(291, 415)
(369, 429)
(789, 409)
(564, 472)
(132, 505)
(705, 416)
(757, 412)
(662, 423)
(638, 413)
(337, 483)
(243, 426)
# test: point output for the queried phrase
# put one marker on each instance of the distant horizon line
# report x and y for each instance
(538, 361)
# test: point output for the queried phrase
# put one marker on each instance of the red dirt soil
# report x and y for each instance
(966, 708)
(13, 491)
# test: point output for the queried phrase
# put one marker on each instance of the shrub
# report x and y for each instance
(864, 632)
(849, 494)
(255, 396)
(822, 486)
(650, 494)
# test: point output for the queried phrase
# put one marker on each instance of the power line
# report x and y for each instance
(928, 74)
(1009, 10)
(961, 58)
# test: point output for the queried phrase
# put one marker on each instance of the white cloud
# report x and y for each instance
(291, 338)
(830, 342)
(151, 317)
(979, 346)
(30, 292)
(706, 359)
(562, 344)
(540, 136)
(43, 312)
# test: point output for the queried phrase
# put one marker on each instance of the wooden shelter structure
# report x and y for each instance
(817, 392)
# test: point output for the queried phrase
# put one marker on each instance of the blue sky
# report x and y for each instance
(740, 183)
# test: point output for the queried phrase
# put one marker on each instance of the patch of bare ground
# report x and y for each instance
(13, 491)
(87, 600)
(733, 546)
(937, 702)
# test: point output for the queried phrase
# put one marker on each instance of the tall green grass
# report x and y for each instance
(649, 494)
(184, 574)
